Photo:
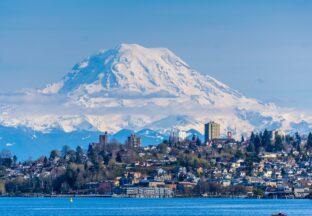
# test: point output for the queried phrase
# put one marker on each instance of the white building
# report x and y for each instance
(177, 135)
(279, 132)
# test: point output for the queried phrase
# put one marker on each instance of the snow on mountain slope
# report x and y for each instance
(131, 72)
(134, 87)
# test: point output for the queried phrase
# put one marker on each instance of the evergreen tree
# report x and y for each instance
(14, 159)
(251, 147)
(106, 157)
(266, 141)
(297, 142)
(54, 154)
(299, 148)
(297, 136)
(287, 139)
(309, 142)
(79, 155)
(118, 158)
(6, 158)
(278, 143)
(92, 154)
(198, 141)
(257, 143)
(239, 154)
(65, 150)
(45, 161)
(242, 139)
(252, 137)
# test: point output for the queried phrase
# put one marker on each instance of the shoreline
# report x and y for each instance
(127, 197)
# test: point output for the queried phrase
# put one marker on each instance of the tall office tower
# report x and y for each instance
(212, 131)
(176, 136)
(104, 139)
(134, 141)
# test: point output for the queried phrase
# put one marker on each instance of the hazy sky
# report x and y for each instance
(261, 48)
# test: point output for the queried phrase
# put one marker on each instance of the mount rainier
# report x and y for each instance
(137, 88)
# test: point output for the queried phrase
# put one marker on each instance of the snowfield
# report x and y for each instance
(133, 87)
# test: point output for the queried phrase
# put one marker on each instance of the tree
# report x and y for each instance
(45, 160)
(297, 140)
(71, 155)
(309, 141)
(7, 162)
(14, 159)
(266, 141)
(5, 154)
(251, 147)
(54, 154)
(118, 157)
(252, 137)
(257, 143)
(258, 192)
(106, 157)
(71, 176)
(278, 143)
(6, 158)
(65, 150)
(79, 155)
(239, 154)
(162, 148)
(2, 187)
(198, 141)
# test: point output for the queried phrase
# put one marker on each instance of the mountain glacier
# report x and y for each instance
(136, 88)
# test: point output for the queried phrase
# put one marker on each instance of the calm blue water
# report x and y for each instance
(172, 207)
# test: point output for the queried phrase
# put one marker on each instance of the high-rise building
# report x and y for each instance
(103, 139)
(229, 135)
(212, 131)
(134, 141)
(274, 133)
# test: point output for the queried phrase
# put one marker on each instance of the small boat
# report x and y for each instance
(279, 214)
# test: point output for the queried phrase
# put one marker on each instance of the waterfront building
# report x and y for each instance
(149, 192)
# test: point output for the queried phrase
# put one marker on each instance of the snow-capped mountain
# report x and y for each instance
(132, 72)
(133, 87)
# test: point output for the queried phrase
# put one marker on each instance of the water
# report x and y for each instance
(151, 207)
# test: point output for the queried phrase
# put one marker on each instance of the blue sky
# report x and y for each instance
(261, 48)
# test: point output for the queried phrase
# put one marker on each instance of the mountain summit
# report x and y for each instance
(130, 70)
(136, 88)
